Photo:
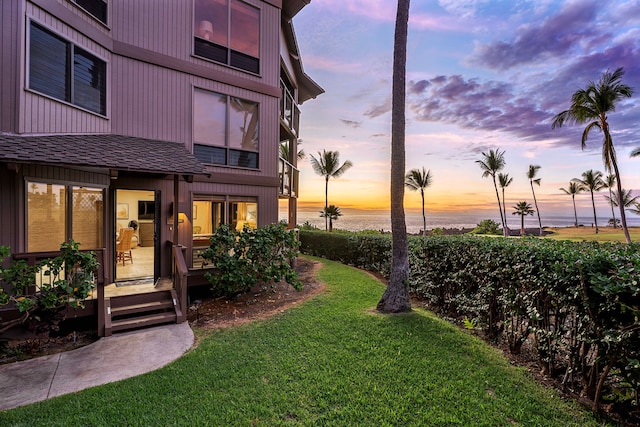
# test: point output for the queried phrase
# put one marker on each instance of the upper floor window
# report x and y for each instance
(228, 31)
(66, 72)
(97, 8)
(225, 129)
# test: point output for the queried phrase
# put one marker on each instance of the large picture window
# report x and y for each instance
(97, 8)
(209, 213)
(57, 213)
(66, 72)
(228, 31)
(225, 130)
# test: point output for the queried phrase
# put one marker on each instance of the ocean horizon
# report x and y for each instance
(358, 220)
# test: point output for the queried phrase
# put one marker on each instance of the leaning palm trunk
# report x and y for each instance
(504, 225)
(623, 217)
(575, 213)
(396, 297)
(595, 218)
(535, 203)
(424, 217)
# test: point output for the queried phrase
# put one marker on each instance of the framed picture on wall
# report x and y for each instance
(195, 212)
(122, 211)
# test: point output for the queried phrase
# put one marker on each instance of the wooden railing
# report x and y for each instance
(180, 273)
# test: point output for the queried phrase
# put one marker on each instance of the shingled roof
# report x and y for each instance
(124, 153)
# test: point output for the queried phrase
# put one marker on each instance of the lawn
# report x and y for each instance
(331, 361)
(605, 234)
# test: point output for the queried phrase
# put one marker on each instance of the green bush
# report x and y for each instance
(488, 227)
(244, 258)
(63, 282)
(576, 304)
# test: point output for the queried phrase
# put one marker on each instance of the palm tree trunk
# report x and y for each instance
(504, 210)
(521, 225)
(575, 213)
(395, 298)
(504, 226)
(595, 218)
(613, 212)
(535, 202)
(424, 218)
(623, 218)
(326, 200)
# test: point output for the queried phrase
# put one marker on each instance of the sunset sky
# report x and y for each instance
(481, 74)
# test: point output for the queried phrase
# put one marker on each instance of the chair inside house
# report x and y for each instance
(123, 245)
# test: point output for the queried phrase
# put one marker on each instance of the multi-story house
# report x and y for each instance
(170, 117)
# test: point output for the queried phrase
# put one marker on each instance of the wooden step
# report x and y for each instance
(128, 312)
(142, 321)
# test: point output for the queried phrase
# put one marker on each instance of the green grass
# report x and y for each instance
(605, 234)
(332, 361)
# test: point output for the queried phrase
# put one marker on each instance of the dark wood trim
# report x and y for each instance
(253, 180)
(160, 60)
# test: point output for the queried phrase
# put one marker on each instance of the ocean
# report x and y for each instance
(357, 220)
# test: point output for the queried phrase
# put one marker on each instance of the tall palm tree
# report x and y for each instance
(592, 181)
(531, 176)
(417, 179)
(395, 298)
(332, 212)
(574, 188)
(492, 163)
(504, 181)
(523, 209)
(591, 106)
(610, 182)
(328, 165)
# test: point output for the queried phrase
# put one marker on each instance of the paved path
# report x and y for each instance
(107, 360)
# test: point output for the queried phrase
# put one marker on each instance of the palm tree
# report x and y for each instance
(332, 212)
(504, 181)
(610, 182)
(395, 298)
(574, 188)
(591, 106)
(627, 199)
(491, 164)
(523, 209)
(328, 165)
(417, 179)
(592, 181)
(531, 175)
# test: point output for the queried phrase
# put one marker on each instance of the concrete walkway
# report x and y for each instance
(107, 360)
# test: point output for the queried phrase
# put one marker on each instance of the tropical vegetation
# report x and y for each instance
(492, 163)
(573, 189)
(531, 176)
(504, 181)
(592, 105)
(327, 164)
(333, 213)
(418, 180)
(592, 181)
(523, 209)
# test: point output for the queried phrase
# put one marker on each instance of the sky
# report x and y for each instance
(481, 75)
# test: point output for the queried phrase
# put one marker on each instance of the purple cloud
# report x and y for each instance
(352, 123)
(554, 37)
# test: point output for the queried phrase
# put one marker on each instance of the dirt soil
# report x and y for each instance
(261, 302)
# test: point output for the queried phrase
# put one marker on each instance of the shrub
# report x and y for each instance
(487, 226)
(244, 258)
(43, 291)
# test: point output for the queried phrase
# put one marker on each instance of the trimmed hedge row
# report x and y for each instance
(576, 304)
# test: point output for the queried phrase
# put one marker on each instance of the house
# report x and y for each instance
(169, 117)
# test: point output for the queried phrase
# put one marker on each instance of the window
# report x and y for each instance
(225, 130)
(209, 213)
(57, 213)
(97, 8)
(228, 31)
(66, 72)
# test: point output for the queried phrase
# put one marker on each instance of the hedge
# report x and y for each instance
(577, 305)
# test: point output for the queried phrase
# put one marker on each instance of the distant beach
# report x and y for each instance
(357, 220)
